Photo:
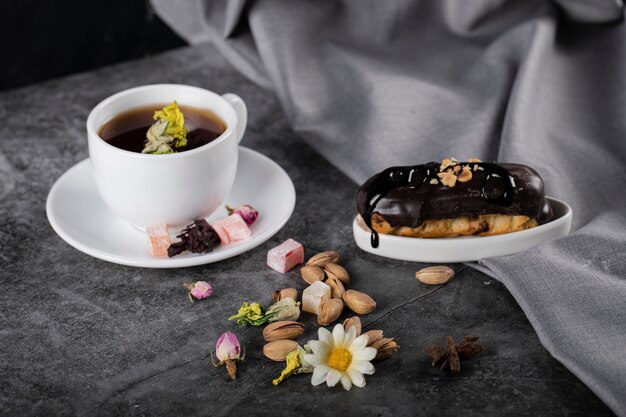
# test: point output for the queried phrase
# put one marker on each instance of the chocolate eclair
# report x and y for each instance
(453, 198)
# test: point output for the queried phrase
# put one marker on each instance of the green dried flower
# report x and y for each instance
(285, 309)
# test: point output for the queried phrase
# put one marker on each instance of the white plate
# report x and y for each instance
(466, 248)
(80, 217)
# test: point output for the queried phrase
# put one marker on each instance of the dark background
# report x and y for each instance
(47, 39)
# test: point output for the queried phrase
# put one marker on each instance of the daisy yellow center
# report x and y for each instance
(340, 359)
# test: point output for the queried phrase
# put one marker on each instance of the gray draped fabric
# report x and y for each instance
(371, 84)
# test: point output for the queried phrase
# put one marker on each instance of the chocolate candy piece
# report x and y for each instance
(407, 196)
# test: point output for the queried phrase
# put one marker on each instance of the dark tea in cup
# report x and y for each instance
(128, 130)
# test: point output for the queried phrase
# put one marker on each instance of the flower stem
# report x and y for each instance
(231, 367)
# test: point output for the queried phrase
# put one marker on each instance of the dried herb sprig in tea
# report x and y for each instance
(168, 132)
(198, 237)
(451, 356)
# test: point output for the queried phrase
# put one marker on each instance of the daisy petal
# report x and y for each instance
(338, 335)
(323, 351)
(349, 337)
(359, 343)
(319, 349)
(345, 381)
(363, 367)
(314, 359)
(325, 336)
(365, 354)
(319, 375)
(332, 377)
(356, 377)
(314, 345)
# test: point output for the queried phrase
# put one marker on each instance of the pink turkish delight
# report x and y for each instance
(219, 229)
(285, 256)
(236, 227)
(232, 228)
(159, 239)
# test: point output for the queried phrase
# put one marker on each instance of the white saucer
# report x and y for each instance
(466, 248)
(79, 216)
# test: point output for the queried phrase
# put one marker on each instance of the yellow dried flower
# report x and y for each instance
(252, 314)
(293, 363)
(296, 364)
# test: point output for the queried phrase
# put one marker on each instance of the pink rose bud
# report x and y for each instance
(227, 347)
(199, 290)
(248, 213)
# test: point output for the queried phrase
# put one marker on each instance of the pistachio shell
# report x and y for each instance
(278, 349)
(381, 342)
(333, 270)
(329, 311)
(281, 330)
(311, 273)
(435, 275)
(359, 302)
(323, 258)
(373, 336)
(336, 288)
(353, 321)
(286, 293)
(386, 349)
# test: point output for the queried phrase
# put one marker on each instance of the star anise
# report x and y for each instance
(451, 356)
(198, 237)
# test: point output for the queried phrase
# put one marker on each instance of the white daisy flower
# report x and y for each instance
(340, 356)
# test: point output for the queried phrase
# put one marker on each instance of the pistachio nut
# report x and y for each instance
(312, 273)
(353, 321)
(385, 347)
(329, 311)
(373, 336)
(333, 270)
(323, 258)
(336, 288)
(280, 330)
(279, 349)
(359, 302)
(286, 293)
(380, 342)
(435, 275)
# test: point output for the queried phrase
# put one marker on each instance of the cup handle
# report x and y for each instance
(242, 113)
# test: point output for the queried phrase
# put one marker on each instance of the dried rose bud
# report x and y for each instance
(248, 213)
(227, 347)
(199, 290)
(228, 351)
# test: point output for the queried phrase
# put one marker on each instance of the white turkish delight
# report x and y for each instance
(314, 295)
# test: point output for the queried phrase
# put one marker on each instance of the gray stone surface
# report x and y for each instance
(82, 336)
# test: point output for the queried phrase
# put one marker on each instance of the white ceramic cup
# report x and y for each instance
(173, 189)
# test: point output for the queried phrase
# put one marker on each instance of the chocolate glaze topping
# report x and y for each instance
(404, 196)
